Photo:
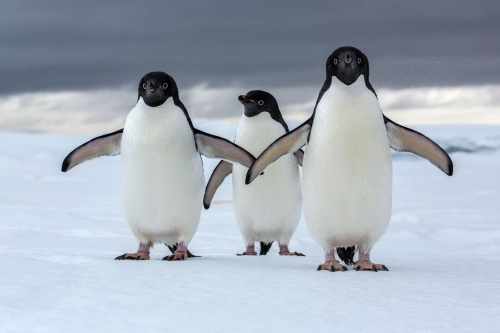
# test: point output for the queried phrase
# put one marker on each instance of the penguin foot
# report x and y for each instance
(284, 251)
(250, 251)
(332, 266)
(178, 255)
(288, 253)
(133, 256)
(174, 248)
(364, 265)
(246, 253)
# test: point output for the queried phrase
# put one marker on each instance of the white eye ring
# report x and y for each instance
(335, 61)
(144, 86)
(261, 102)
(359, 61)
(165, 85)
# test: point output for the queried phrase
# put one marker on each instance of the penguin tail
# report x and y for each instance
(264, 248)
(174, 247)
(346, 254)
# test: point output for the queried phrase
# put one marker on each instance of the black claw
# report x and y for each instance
(357, 268)
(245, 254)
(374, 268)
(384, 268)
(344, 268)
(332, 269)
(319, 268)
(124, 257)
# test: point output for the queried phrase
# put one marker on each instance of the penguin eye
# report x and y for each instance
(261, 102)
(335, 62)
(359, 61)
(144, 86)
(165, 85)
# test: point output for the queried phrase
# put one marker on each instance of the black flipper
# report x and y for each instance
(216, 147)
(264, 248)
(407, 140)
(221, 171)
(173, 248)
(346, 254)
(104, 145)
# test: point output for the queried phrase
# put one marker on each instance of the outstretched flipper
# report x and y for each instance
(300, 156)
(216, 147)
(288, 143)
(104, 145)
(221, 171)
(403, 139)
(224, 169)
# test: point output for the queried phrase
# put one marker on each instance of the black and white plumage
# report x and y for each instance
(269, 209)
(347, 168)
(162, 173)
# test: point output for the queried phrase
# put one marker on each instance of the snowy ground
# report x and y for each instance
(59, 234)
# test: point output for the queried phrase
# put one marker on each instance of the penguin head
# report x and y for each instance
(156, 87)
(347, 64)
(257, 101)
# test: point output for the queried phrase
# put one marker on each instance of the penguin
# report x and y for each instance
(162, 170)
(269, 209)
(347, 168)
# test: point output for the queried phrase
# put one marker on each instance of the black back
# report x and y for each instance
(257, 101)
(346, 64)
(156, 87)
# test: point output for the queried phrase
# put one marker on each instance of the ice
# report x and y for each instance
(59, 234)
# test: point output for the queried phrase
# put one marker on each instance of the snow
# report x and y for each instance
(59, 234)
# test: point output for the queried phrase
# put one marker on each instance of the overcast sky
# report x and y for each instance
(57, 46)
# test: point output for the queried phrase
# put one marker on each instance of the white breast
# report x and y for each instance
(269, 208)
(347, 176)
(163, 180)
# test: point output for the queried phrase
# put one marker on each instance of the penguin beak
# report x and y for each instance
(244, 99)
(347, 58)
(152, 87)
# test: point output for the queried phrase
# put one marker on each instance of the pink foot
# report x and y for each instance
(180, 253)
(368, 266)
(249, 252)
(332, 266)
(284, 251)
(141, 254)
(364, 263)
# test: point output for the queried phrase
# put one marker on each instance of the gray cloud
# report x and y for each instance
(60, 45)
